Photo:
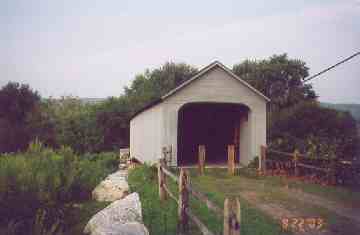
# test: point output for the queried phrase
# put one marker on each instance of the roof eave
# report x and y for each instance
(206, 69)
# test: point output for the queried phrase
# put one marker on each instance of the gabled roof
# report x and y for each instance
(196, 76)
(208, 68)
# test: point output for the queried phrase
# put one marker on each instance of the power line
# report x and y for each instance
(331, 67)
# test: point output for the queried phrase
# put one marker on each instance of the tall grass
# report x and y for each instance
(159, 217)
(42, 180)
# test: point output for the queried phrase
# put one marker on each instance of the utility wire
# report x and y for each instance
(331, 67)
(308, 79)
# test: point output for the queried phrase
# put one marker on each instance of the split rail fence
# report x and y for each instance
(231, 212)
(275, 162)
(295, 164)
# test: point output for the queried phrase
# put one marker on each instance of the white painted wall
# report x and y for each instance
(245, 139)
(157, 127)
(146, 134)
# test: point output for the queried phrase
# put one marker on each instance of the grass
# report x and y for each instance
(218, 185)
(340, 194)
(161, 217)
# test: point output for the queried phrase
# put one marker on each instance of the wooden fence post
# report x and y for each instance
(183, 201)
(167, 155)
(232, 217)
(226, 217)
(163, 150)
(231, 159)
(238, 217)
(161, 180)
(262, 160)
(201, 163)
(296, 159)
(331, 174)
(170, 155)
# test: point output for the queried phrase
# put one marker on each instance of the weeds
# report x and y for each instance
(38, 187)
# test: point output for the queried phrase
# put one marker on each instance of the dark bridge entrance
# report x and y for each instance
(215, 125)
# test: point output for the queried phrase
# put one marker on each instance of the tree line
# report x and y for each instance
(297, 120)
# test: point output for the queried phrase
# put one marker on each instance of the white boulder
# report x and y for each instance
(114, 187)
(133, 228)
(120, 217)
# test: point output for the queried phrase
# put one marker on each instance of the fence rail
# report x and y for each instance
(294, 164)
(201, 197)
(168, 173)
(231, 212)
(314, 167)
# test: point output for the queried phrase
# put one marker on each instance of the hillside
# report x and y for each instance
(92, 100)
(354, 109)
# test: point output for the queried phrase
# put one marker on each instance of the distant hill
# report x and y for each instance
(82, 100)
(92, 100)
(354, 109)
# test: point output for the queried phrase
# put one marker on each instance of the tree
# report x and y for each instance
(296, 118)
(317, 131)
(17, 102)
(113, 118)
(279, 78)
(74, 124)
(41, 125)
(151, 85)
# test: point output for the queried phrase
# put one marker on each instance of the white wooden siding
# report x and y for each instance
(146, 135)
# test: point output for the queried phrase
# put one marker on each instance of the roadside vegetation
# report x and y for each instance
(43, 189)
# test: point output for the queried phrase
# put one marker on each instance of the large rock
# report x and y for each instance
(114, 187)
(133, 228)
(120, 216)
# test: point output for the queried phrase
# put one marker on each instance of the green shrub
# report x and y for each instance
(45, 178)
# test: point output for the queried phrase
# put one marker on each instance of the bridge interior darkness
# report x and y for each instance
(215, 125)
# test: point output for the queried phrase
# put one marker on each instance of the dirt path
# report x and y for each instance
(303, 225)
(350, 213)
(280, 213)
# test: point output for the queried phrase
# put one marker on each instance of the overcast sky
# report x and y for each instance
(93, 48)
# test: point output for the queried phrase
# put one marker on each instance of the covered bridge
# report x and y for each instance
(214, 108)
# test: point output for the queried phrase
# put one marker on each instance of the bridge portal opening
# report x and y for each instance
(215, 125)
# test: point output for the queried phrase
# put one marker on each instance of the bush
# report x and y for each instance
(43, 178)
(319, 132)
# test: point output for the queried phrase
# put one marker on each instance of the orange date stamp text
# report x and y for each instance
(302, 224)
